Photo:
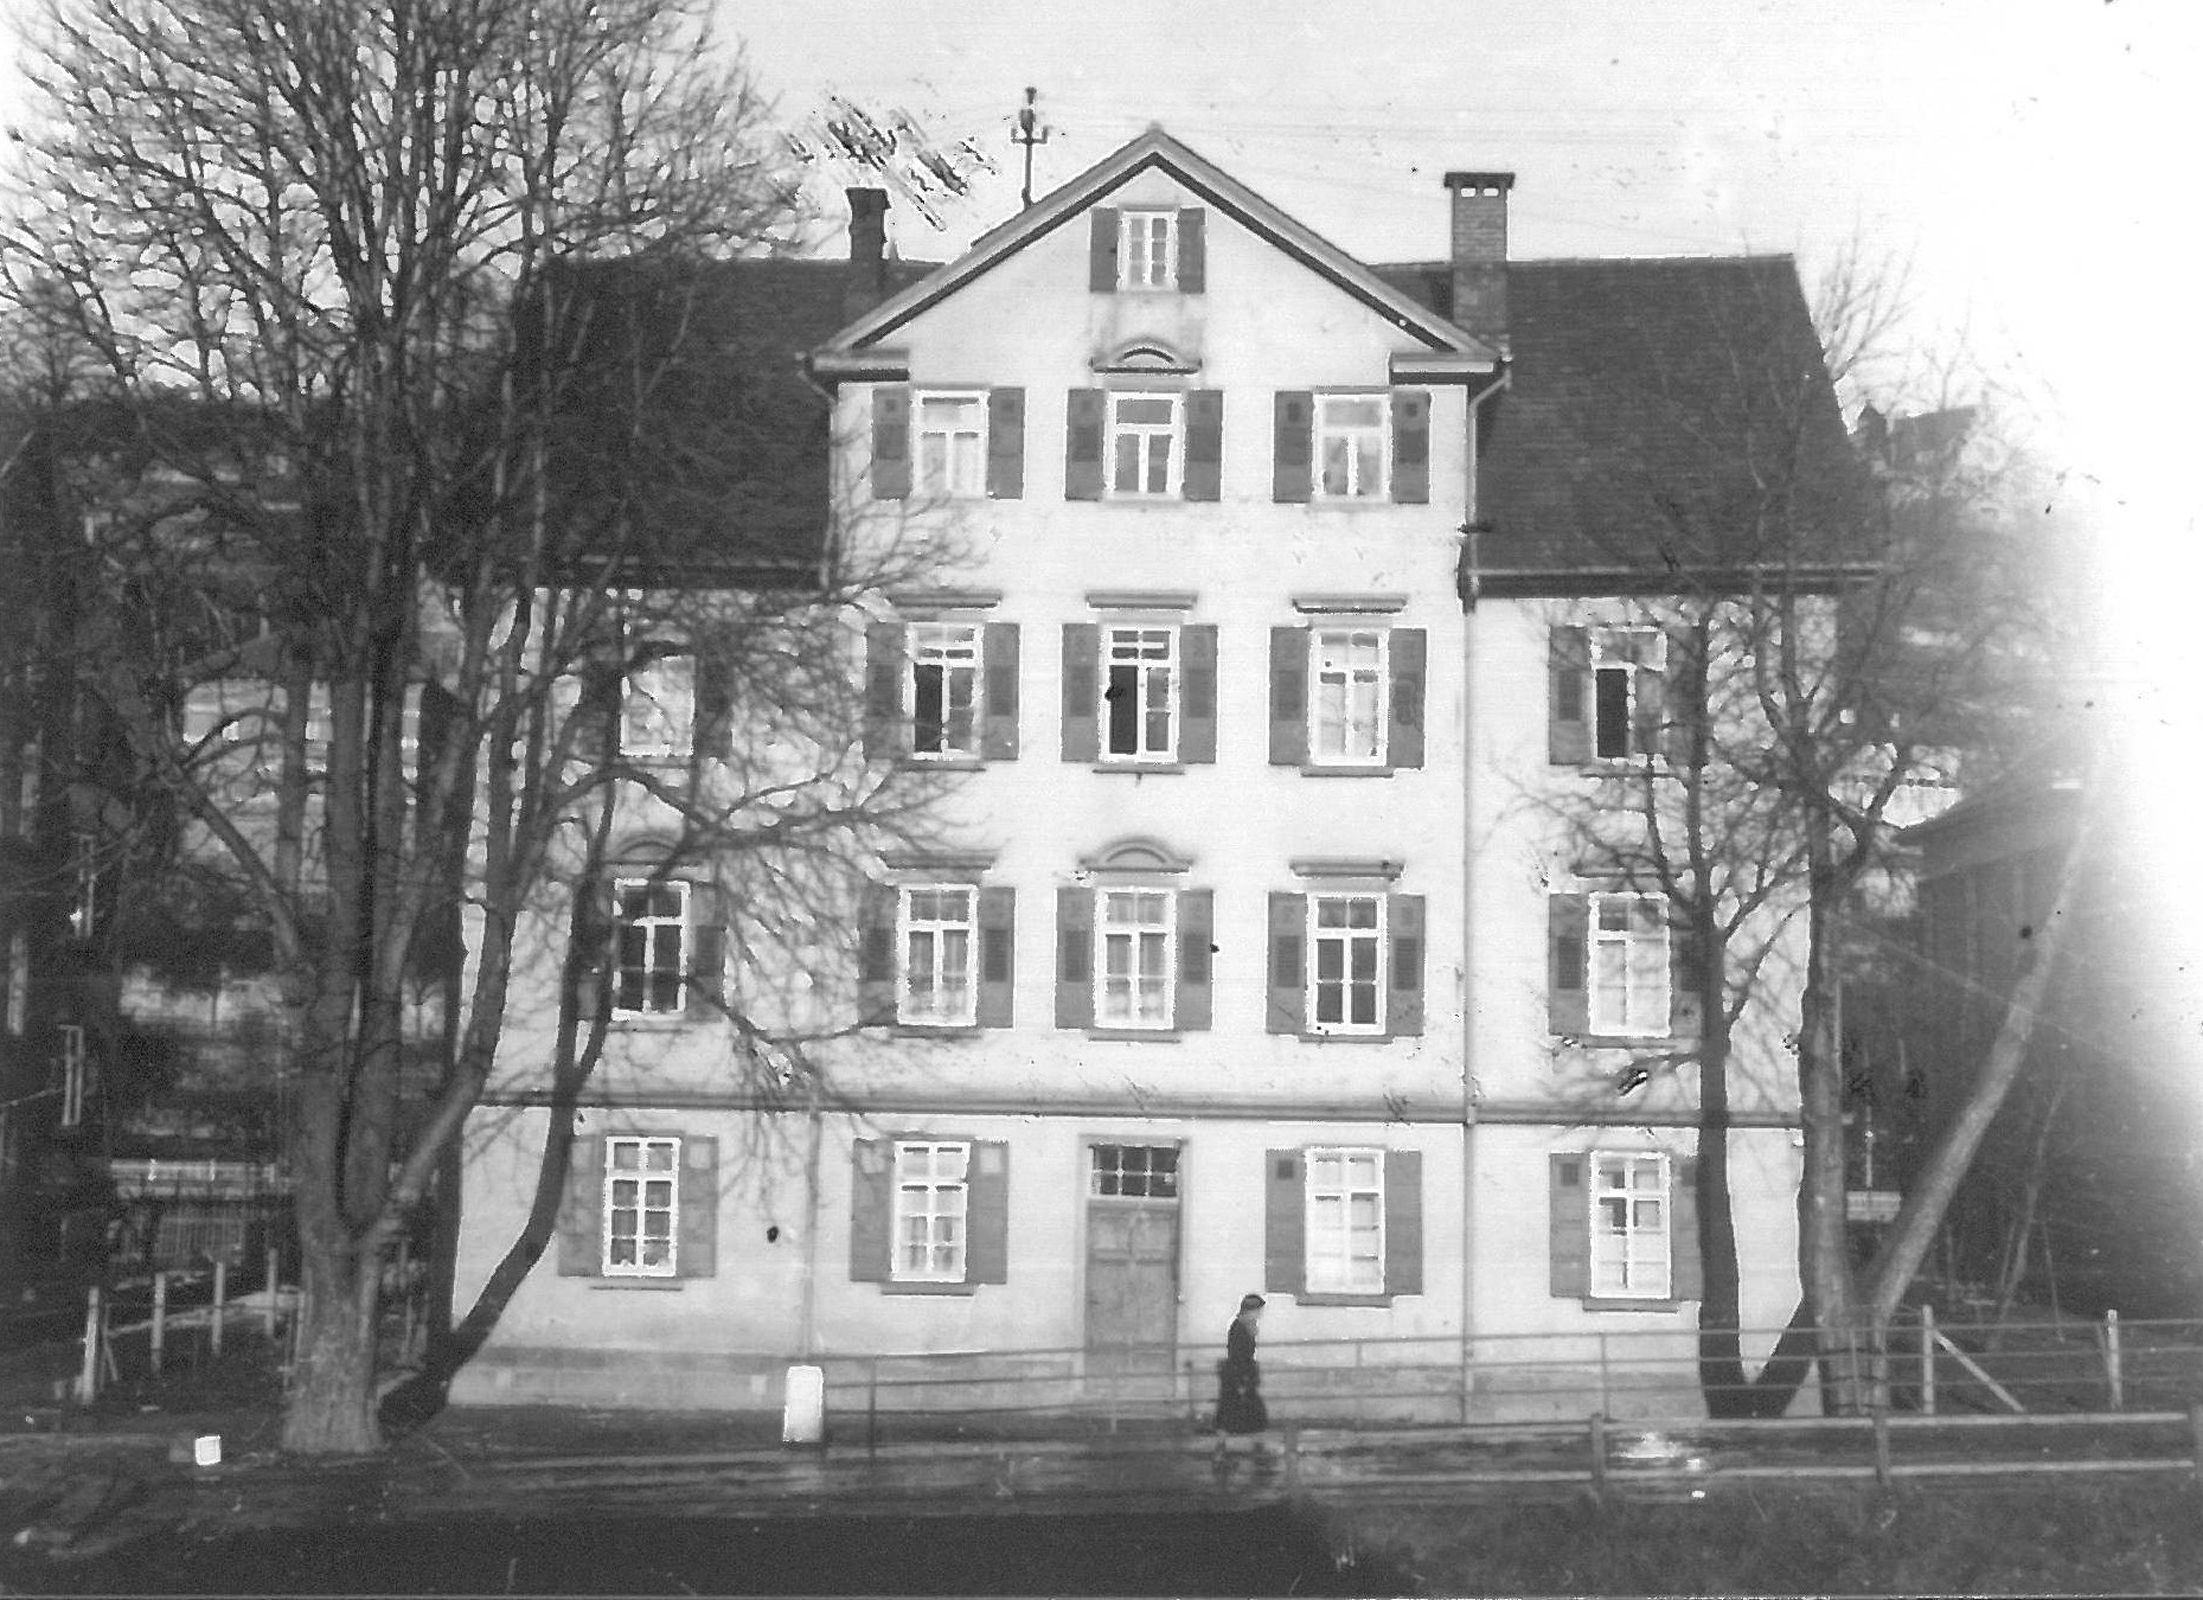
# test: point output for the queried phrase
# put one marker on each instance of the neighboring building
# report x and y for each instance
(2087, 1193)
(1276, 590)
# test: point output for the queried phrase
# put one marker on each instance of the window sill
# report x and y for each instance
(1317, 1298)
(958, 763)
(934, 1030)
(1138, 1035)
(1626, 1041)
(1307, 1037)
(893, 1286)
(1137, 768)
(1312, 770)
(652, 1285)
(1613, 1303)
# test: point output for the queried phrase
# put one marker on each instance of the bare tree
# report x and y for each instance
(420, 439)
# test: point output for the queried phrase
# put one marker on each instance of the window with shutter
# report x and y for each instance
(999, 654)
(658, 705)
(1288, 696)
(1410, 446)
(1630, 1221)
(876, 918)
(1288, 988)
(642, 1206)
(1137, 930)
(650, 946)
(1346, 966)
(1005, 444)
(891, 441)
(1145, 446)
(1352, 446)
(952, 453)
(1568, 958)
(581, 1210)
(1085, 432)
(1081, 692)
(997, 956)
(1627, 977)
(938, 982)
(1140, 717)
(1196, 933)
(1147, 249)
(942, 691)
(1074, 958)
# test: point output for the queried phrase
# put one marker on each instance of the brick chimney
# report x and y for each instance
(1480, 252)
(866, 285)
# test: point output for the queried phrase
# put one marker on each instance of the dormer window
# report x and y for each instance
(1147, 250)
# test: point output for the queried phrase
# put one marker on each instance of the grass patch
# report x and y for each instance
(2068, 1537)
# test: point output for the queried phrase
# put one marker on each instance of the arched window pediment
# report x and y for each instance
(1146, 356)
(1136, 855)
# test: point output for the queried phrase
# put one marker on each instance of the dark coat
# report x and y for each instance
(1239, 1407)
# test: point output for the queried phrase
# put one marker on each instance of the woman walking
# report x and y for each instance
(1239, 1407)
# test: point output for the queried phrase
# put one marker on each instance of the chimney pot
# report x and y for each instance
(866, 285)
(1480, 253)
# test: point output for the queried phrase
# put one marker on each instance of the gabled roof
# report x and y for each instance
(1660, 416)
(1157, 150)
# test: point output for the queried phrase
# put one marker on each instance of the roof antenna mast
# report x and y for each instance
(1029, 132)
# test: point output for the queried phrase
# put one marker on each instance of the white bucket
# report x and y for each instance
(803, 1418)
(206, 1450)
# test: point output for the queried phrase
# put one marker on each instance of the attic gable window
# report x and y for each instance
(1147, 249)
(952, 445)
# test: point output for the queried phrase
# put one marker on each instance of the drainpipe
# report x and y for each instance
(807, 1319)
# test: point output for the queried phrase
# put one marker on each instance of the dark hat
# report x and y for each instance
(1252, 1302)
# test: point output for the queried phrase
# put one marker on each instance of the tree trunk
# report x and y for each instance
(1720, 1312)
(1824, 1260)
(330, 1406)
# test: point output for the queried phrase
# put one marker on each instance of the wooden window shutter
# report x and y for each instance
(591, 961)
(1648, 717)
(987, 1256)
(891, 441)
(1411, 446)
(997, 955)
(1293, 448)
(1568, 1248)
(1404, 1002)
(1403, 1222)
(1410, 651)
(1085, 423)
(886, 729)
(1288, 999)
(581, 1212)
(714, 708)
(1081, 696)
(1074, 958)
(1193, 252)
(1685, 692)
(1568, 959)
(1204, 476)
(696, 1254)
(707, 956)
(998, 731)
(1568, 729)
(1686, 969)
(1284, 1224)
(876, 953)
(1006, 444)
(1686, 1264)
(1288, 697)
(1101, 253)
(1197, 698)
(1195, 1009)
(871, 1210)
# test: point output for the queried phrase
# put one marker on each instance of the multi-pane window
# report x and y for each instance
(1629, 964)
(1626, 667)
(932, 1202)
(1132, 984)
(1351, 446)
(944, 689)
(1347, 706)
(1134, 1171)
(1346, 1221)
(642, 1206)
(73, 1070)
(1139, 694)
(1144, 444)
(658, 710)
(1147, 250)
(650, 946)
(1346, 978)
(938, 936)
(952, 445)
(1629, 1226)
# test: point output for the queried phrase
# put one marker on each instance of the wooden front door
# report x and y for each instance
(1132, 1257)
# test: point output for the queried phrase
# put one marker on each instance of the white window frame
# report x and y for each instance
(958, 651)
(1136, 638)
(653, 922)
(1620, 654)
(1637, 951)
(627, 1190)
(74, 1073)
(1339, 681)
(946, 1005)
(1147, 248)
(1331, 1187)
(1376, 483)
(960, 476)
(1118, 996)
(1111, 1174)
(658, 707)
(931, 1215)
(1631, 1254)
(1170, 436)
(1345, 938)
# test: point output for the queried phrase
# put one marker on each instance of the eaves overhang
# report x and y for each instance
(1566, 583)
(839, 357)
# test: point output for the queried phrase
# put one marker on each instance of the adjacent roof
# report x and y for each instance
(1661, 416)
(1157, 150)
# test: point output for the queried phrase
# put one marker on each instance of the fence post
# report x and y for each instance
(160, 1319)
(1927, 1360)
(1606, 1395)
(267, 1286)
(1292, 1461)
(87, 1378)
(221, 1302)
(1466, 1380)
(872, 1408)
(1598, 1453)
(1357, 1413)
(1881, 1447)
(2113, 1372)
